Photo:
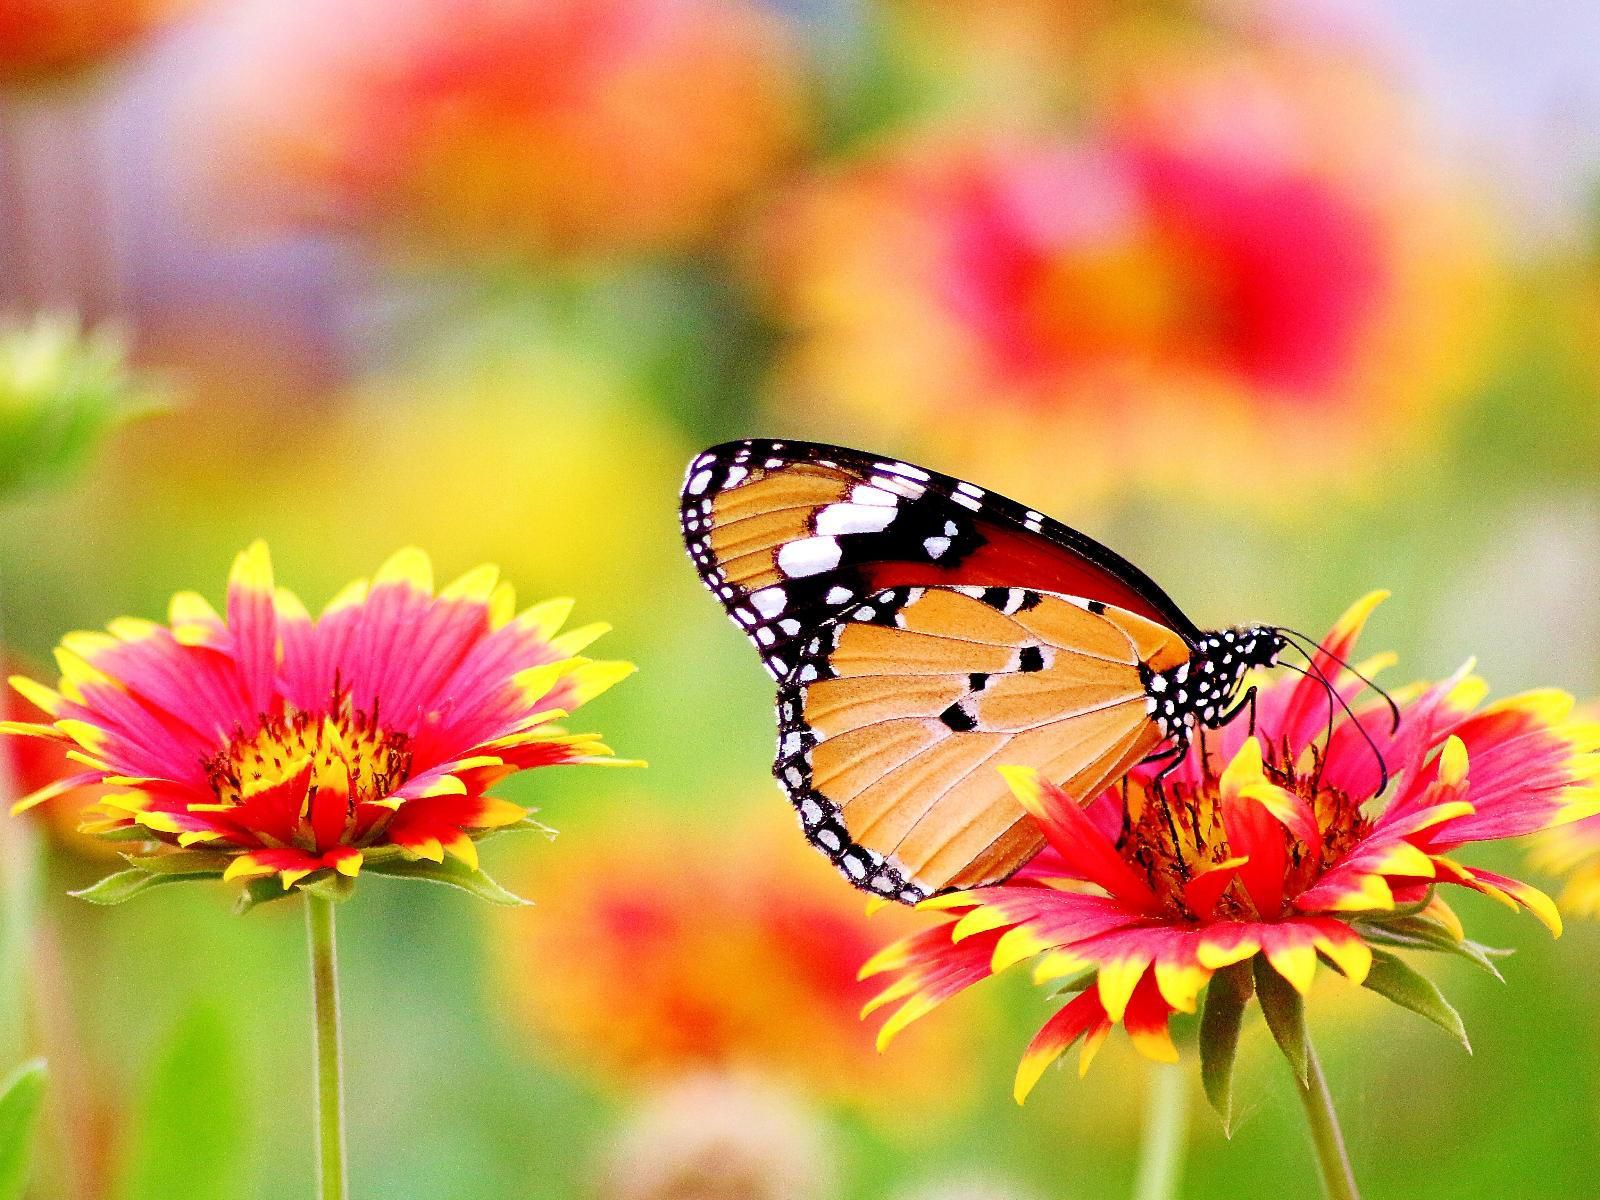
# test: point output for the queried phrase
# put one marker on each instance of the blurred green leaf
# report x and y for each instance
(1394, 980)
(1220, 1023)
(452, 874)
(1286, 1016)
(21, 1097)
(125, 885)
(180, 862)
(191, 1122)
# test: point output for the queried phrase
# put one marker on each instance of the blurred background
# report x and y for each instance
(1285, 299)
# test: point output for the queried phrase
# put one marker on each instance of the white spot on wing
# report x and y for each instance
(700, 481)
(809, 556)
(853, 518)
(935, 546)
(769, 601)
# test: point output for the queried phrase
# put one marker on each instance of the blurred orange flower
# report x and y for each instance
(684, 950)
(1245, 271)
(542, 125)
(46, 39)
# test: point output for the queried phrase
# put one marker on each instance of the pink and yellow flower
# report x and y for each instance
(1273, 848)
(263, 744)
(1259, 276)
(564, 126)
(734, 953)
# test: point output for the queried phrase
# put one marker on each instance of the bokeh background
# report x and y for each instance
(1286, 299)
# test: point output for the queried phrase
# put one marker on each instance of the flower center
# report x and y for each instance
(1173, 836)
(343, 751)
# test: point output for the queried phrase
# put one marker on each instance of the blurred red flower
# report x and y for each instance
(732, 949)
(1237, 274)
(46, 39)
(557, 126)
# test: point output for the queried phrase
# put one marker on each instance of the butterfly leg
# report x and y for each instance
(1248, 700)
(1179, 749)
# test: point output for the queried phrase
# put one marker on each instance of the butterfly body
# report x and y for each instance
(924, 631)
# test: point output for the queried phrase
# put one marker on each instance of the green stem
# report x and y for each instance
(1338, 1181)
(330, 1060)
(1166, 1128)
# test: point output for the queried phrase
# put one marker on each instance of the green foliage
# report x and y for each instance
(21, 1097)
(1395, 981)
(451, 873)
(191, 1124)
(123, 886)
(1220, 1023)
(1285, 1011)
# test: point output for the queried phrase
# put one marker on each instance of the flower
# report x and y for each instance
(736, 952)
(567, 126)
(1286, 855)
(268, 746)
(46, 39)
(36, 765)
(1264, 267)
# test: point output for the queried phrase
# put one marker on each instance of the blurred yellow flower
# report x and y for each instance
(1244, 273)
(683, 950)
(546, 126)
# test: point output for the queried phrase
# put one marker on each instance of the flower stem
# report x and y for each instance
(1338, 1181)
(329, 1057)
(1166, 1127)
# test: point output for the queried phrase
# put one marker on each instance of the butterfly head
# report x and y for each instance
(1256, 645)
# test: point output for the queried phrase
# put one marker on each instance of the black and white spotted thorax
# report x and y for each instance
(1202, 690)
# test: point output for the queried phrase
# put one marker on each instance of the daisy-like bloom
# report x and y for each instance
(1252, 251)
(1273, 849)
(47, 39)
(735, 953)
(265, 745)
(564, 126)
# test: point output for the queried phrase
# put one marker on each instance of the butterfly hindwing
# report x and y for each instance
(789, 534)
(899, 709)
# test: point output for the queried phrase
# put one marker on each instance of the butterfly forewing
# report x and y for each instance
(899, 710)
(788, 534)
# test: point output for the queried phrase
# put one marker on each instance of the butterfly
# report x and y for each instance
(923, 631)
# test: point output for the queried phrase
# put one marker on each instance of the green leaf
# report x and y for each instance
(263, 890)
(190, 1125)
(1220, 1024)
(529, 825)
(21, 1097)
(1286, 1016)
(451, 873)
(1394, 980)
(125, 885)
(1424, 933)
(180, 862)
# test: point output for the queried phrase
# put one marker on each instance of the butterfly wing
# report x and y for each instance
(901, 708)
(788, 534)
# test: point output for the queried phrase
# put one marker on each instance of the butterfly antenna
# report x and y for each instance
(1394, 709)
(1315, 673)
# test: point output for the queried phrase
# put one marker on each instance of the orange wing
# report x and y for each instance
(899, 711)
